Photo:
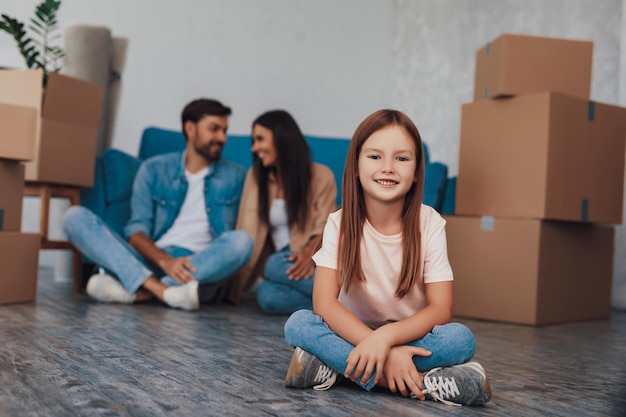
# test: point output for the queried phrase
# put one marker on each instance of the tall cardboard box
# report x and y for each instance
(544, 156)
(19, 257)
(66, 129)
(519, 64)
(530, 271)
(11, 195)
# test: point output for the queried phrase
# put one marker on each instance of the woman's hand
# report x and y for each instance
(400, 372)
(368, 355)
(303, 266)
(179, 269)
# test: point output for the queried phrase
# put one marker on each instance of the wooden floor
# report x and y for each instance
(66, 355)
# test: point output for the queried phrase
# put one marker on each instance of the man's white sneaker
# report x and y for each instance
(107, 289)
(184, 297)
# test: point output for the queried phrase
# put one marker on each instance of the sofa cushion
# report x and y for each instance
(237, 149)
(435, 180)
(156, 141)
(449, 199)
(332, 153)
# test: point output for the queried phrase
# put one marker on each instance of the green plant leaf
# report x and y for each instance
(37, 51)
(37, 31)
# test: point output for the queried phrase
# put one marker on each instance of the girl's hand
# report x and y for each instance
(303, 266)
(179, 269)
(368, 355)
(400, 371)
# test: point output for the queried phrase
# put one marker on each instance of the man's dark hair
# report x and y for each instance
(201, 107)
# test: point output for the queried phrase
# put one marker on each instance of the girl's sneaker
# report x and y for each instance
(305, 371)
(464, 384)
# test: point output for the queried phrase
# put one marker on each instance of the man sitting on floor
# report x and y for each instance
(181, 244)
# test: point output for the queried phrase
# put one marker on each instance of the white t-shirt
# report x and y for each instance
(191, 227)
(374, 301)
(279, 223)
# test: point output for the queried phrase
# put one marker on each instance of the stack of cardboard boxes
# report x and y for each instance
(19, 252)
(45, 138)
(540, 182)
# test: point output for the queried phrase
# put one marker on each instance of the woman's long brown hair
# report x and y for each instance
(294, 165)
(354, 211)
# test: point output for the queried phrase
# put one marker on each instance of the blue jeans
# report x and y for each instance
(279, 294)
(450, 344)
(226, 254)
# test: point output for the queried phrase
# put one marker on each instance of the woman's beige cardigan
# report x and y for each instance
(323, 194)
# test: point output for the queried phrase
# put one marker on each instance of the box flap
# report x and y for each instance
(73, 101)
(19, 132)
(67, 155)
(22, 88)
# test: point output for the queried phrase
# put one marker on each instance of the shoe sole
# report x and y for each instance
(295, 367)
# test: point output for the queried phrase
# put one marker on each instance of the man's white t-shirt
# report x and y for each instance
(374, 301)
(191, 228)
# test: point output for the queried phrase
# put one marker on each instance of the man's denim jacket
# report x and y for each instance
(160, 188)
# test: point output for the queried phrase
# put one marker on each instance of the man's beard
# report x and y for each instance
(212, 151)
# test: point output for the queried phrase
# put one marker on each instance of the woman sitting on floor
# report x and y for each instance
(285, 203)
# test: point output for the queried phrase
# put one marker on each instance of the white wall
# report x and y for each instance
(327, 62)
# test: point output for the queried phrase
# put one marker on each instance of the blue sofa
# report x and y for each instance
(115, 170)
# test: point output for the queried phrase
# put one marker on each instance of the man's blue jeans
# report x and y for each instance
(279, 294)
(450, 344)
(226, 254)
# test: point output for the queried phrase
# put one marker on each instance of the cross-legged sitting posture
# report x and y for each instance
(181, 244)
(382, 295)
(285, 202)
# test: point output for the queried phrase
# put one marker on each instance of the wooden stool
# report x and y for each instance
(45, 192)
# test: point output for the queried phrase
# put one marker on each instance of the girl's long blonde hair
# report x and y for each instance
(354, 211)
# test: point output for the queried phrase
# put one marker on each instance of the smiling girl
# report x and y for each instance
(382, 299)
(285, 202)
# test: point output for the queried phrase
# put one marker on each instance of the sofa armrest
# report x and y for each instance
(109, 198)
(93, 197)
(435, 181)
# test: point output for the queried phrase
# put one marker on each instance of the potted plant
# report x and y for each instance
(38, 51)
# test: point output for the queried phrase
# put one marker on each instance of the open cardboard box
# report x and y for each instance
(61, 144)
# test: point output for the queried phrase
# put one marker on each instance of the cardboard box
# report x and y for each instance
(518, 64)
(67, 129)
(11, 194)
(543, 156)
(19, 257)
(17, 132)
(530, 271)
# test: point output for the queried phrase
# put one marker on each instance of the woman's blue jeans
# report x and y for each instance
(450, 344)
(226, 254)
(279, 294)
